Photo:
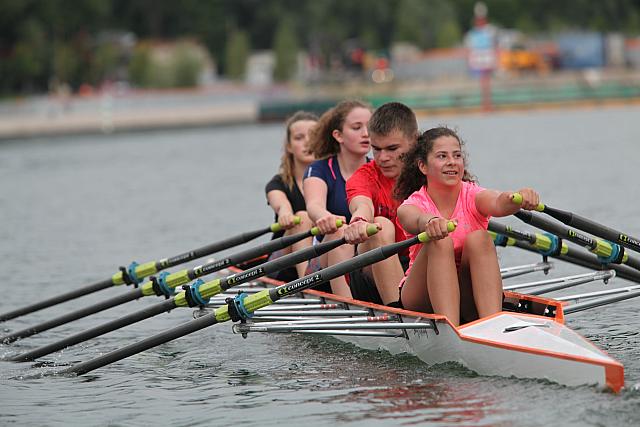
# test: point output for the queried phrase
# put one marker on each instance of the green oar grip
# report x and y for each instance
(316, 231)
(371, 229)
(424, 237)
(517, 199)
(275, 227)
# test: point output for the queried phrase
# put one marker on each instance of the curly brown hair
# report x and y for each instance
(286, 161)
(411, 178)
(321, 141)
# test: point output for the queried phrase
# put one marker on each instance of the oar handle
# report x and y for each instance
(424, 237)
(275, 227)
(372, 229)
(517, 199)
(315, 231)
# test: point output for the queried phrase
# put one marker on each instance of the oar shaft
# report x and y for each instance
(217, 247)
(340, 269)
(593, 227)
(571, 235)
(280, 263)
(587, 260)
(130, 350)
(148, 268)
(261, 299)
(74, 315)
(170, 304)
(76, 293)
(129, 319)
(263, 249)
(574, 308)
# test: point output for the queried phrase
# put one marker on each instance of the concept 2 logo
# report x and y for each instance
(580, 237)
(626, 239)
(241, 278)
(299, 285)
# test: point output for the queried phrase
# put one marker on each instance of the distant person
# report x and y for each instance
(284, 191)
(341, 141)
(393, 130)
(456, 274)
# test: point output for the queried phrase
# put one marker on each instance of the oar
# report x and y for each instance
(163, 285)
(607, 251)
(585, 224)
(135, 272)
(598, 302)
(195, 295)
(243, 306)
(551, 245)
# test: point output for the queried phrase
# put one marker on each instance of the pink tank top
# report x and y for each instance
(469, 219)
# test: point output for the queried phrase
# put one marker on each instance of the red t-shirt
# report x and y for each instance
(369, 181)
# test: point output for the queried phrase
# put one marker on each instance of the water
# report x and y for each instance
(73, 209)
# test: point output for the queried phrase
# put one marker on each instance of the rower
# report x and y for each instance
(393, 129)
(341, 141)
(284, 191)
(456, 274)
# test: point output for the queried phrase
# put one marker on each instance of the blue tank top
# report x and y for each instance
(328, 170)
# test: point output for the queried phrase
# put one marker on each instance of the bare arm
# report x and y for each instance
(494, 203)
(415, 221)
(362, 213)
(315, 197)
(282, 207)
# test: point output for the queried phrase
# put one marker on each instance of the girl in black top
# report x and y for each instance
(284, 191)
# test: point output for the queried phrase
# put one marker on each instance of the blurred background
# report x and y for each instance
(98, 65)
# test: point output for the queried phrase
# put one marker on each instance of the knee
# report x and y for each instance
(478, 241)
(440, 246)
(305, 221)
(385, 236)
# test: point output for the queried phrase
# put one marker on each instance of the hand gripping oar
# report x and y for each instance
(135, 272)
(550, 245)
(162, 285)
(244, 305)
(194, 295)
(585, 224)
(609, 253)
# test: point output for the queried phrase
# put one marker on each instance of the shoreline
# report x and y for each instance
(125, 111)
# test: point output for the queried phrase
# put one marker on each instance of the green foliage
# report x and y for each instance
(177, 66)
(65, 62)
(237, 53)
(187, 66)
(140, 66)
(449, 34)
(412, 18)
(285, 46)
(105, 62)
(43, 38)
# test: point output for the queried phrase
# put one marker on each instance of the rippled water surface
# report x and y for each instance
(73, 209)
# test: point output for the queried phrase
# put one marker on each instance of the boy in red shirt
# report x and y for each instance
(393, 129)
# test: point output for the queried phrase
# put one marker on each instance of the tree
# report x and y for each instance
(187, 66)
(140, 66)
(285, 46)
(65, 62)
(237, 53)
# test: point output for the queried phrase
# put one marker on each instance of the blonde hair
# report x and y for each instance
(321, 142)
(287, 170)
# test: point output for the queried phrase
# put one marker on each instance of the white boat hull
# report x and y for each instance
(507, 344)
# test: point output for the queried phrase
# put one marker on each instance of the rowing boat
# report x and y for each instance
(528, 339)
